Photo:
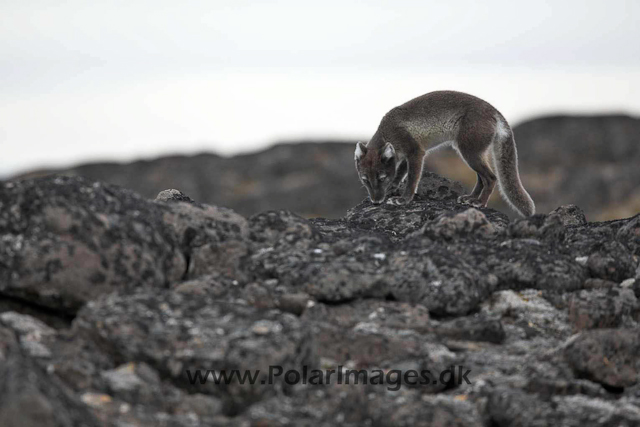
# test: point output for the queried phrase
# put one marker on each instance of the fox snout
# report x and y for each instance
(377, 191)
(377, 197)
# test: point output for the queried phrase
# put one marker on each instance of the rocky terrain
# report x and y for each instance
(310, 178)
(589, 161)
(109, 302)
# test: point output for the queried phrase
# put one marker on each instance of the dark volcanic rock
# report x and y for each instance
(173, 196)
(67, 240)
(29, 397)
(180, 335)
(602, 308)
(311, 179)
(353, 405)
(611, 261)
(607, 356)
(212, 239)
(471, 222)
(393, 293)
(473, 328)
(371, 334)
(569, 215)
(588, 161)
(508, 407)
(629, 235)
(438, 187)
(428, 205)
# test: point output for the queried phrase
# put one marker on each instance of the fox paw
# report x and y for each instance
(468, 200)
(398, 201)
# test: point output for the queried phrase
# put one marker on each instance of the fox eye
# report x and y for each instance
(365, 179)
(382, 177)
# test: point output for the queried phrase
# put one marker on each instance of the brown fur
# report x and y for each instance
(469, 124)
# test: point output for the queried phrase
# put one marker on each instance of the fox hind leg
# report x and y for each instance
(472, 145)
(486, 179)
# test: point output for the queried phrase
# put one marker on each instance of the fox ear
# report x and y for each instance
(361, 150)
(389, 152)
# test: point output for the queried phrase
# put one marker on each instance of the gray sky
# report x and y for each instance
(121, 79)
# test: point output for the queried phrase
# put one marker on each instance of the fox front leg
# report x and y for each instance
(401, 174)
(414, 173)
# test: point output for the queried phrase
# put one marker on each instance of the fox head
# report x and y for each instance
(376, 169)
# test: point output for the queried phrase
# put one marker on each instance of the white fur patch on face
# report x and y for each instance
(389, 152)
